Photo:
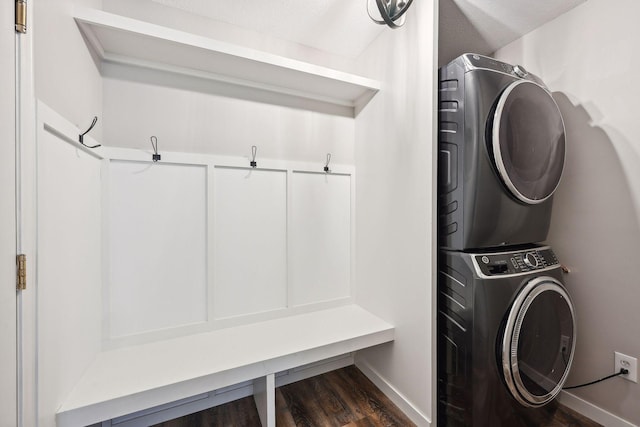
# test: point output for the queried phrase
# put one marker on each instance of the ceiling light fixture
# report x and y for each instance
(389, 12)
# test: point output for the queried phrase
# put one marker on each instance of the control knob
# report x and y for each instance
(519, 71)
(530, 260)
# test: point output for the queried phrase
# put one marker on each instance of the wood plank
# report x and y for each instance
(388, 413)
(305, 407)
(283, 415)
(558, 415)
(345, 398)
(339, 398)
(371, 421)
(241, 413)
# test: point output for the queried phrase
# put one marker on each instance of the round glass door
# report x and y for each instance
(538, 342)
(528, 141)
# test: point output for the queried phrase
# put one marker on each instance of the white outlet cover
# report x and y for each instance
(627, 362)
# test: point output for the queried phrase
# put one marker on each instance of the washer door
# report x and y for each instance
(538, 342)
(528, 141)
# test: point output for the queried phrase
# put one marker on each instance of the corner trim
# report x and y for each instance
(592, 411)
(401, 401)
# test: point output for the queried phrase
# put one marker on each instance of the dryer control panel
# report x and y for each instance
(474, 61)
(517, 262)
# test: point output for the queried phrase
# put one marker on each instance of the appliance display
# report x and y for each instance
(506, 340)
(501, 154)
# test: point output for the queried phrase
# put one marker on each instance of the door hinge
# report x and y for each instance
(21, 262)
(21, 16)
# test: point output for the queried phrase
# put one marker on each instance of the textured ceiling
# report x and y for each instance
(342, 27)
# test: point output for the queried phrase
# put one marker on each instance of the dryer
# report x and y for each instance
(506, 336)
(501, 154)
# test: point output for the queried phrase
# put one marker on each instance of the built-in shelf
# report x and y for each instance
(122, 40)
(136, 378)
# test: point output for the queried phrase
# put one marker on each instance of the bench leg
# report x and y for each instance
(264, 393)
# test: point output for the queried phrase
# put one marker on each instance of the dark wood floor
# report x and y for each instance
(344, 397)
(336, 399)
(565, 417)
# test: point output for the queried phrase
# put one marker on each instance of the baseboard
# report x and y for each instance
(592, 411)
(406, 406)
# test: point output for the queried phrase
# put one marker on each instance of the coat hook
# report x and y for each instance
(81, 136)
(254, 152)
(154, 144)
(326, 166)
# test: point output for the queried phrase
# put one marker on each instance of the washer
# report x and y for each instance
(506, 336)
(501, 154)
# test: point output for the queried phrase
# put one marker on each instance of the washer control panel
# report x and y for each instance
(475, 62)
(508, 263)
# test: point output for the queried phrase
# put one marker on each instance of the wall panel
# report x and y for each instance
(250, 230)
(158, 246)
(320, 238)
(68, 266)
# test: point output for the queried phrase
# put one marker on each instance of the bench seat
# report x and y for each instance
(135, 378)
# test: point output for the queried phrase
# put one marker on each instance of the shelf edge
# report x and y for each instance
(90, 19)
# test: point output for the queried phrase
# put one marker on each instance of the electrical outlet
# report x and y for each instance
(627, 362)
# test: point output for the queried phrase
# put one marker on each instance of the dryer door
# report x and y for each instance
(528, 141)
(538, 342)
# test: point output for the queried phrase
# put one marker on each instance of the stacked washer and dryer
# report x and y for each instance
(506, 324)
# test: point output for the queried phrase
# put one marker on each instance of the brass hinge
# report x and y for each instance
(21, 262)
(21, 16)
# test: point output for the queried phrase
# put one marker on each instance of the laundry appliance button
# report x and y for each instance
(531, 260)
(519, 71)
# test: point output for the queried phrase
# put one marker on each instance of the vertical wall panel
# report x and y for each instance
(396, 257)
(158, 246)
(320, 253)
(250, 267)
(69, 274)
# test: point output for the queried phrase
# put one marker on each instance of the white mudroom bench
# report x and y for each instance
(133, 379)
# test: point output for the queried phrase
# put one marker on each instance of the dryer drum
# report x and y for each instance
(528, 141)
(538, 342)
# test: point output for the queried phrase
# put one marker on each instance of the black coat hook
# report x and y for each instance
(254, 152)
(326, 166)
(154, 144)
(81, 136)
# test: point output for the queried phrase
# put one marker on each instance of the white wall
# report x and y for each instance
(190, 119)
(68, 336)
(155, 12)
(69, 285)
(395, 145)
(589, 59)
(391, 143)
(193, 115)
(66, 77)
